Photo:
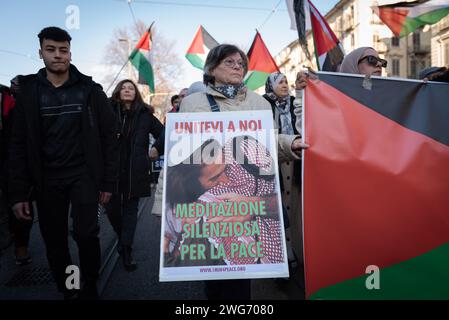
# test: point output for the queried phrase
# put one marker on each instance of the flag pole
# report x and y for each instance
(118, 73)
(127, 60)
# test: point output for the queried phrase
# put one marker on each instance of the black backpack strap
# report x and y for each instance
(213, 104)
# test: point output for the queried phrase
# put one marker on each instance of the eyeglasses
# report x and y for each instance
(232, 63)
(374, 61)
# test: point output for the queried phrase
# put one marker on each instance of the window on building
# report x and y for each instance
(339, 27)
(375, 38)
(352, 40)
(395, 42)
(375, 18)
(416, 39)
(395, 66)
(413, 69)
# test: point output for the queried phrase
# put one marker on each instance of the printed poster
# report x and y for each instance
(222, 213)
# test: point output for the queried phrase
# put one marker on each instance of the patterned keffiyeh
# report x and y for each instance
(248, 184)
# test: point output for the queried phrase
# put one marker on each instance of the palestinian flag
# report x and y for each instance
(200, 47)
(304, 16)
(261, 64)
(405, 17)
(376, 186)
(140, 60)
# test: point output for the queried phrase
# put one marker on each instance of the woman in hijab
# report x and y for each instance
(364, 60)
(285, 111)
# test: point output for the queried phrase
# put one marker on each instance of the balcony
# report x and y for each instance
(419, 49)
(348, 23)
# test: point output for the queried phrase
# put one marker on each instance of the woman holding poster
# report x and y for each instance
(224, 71)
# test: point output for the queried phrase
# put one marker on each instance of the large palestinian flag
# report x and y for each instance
(376, 188)
(140, 60)
(405, 17)
(200, 47)
(261, 64)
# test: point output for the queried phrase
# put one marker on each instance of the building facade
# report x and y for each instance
(356, 25)
(440, 43)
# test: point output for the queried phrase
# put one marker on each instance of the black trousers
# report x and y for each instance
(122, 214)
(20, 229)
(53, 208)
(228, 289)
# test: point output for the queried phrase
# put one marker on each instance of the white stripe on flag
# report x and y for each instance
(427, 7)
(291, 13)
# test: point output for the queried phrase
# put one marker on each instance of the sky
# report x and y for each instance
(229, 21)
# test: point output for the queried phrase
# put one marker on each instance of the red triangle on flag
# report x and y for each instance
(394, 18)
(260, 58)
(325, 39)
(322, 41)
(197, 46)
(144, 42)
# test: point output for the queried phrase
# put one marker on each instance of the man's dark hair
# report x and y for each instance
(174, 98)
(55, 34)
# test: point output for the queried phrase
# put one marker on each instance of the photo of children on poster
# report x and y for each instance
(222, 215)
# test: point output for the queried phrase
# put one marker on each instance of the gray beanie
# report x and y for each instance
(196, 87)
(428, 71)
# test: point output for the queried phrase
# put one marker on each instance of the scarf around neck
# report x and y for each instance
(229, 90)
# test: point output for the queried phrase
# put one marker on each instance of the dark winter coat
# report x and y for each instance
(99, 135)
(137, 163)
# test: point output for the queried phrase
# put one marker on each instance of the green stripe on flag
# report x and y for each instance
(411, 24)
(141, 63)
(256, 79)
(423, 277)
(196, 61)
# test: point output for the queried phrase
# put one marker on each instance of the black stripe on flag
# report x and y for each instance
(209, 42)
(420, 107)
(404, 4)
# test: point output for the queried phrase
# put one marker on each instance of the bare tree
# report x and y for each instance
(166, 64)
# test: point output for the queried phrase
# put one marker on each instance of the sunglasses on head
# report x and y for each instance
(373, 60)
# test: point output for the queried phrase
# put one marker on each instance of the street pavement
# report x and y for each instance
(33, 282)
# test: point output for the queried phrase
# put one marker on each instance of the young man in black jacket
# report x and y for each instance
(64, 151)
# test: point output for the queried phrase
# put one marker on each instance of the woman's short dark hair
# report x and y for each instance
(216, 56)
(55, 34)
(138, 98)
